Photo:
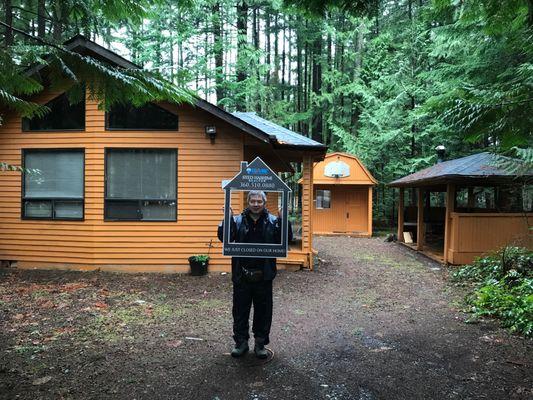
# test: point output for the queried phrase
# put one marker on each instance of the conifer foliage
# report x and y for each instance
(385, 80)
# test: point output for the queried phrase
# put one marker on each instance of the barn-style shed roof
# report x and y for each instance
(481, 168)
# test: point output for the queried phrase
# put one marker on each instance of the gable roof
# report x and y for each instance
(481, 167)
(265, 132)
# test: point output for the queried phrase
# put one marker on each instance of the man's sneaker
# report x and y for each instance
(240, 350)
(260, 351)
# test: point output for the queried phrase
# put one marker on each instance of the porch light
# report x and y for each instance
(211, 131)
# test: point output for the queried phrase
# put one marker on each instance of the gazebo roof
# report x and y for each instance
(481, 168)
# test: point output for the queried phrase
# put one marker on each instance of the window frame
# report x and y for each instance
(108, 128)
(24, 122)
(107, 150)
(316, 199)
(23, 197)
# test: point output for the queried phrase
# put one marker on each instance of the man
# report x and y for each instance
(252, 277)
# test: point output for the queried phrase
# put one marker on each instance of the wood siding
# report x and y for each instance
(474, 234)
(130, 246)
(349, 212)
(351, 199)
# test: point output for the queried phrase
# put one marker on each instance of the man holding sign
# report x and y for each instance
(252, 276)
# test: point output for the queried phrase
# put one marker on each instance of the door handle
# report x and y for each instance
(347, 215)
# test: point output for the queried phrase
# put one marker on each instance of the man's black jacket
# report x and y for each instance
(240, 232)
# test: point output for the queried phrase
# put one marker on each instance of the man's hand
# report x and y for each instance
(230, 211)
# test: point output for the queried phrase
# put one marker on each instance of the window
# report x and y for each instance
(53, 184)
(63, 116)
(323, 198)
(140, 185)
(149, 116)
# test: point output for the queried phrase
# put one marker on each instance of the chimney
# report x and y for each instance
(441, 153)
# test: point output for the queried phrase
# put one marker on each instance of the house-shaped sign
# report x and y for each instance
(256, 176)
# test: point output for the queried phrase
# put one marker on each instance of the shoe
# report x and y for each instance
(240, 350)
(260, 351)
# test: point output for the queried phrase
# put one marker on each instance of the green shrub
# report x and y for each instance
(201, 258)
(502, 287)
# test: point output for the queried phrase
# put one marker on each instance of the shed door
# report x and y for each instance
(357, 210)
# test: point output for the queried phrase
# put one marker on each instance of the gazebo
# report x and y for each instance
(459, 209)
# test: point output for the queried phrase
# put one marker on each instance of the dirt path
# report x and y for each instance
(374, 321)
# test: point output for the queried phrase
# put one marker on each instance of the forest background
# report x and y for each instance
(387, 81)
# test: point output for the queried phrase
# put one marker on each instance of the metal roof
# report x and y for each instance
(281, 134)
(477, 167)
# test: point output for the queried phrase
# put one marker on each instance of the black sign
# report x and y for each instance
(256, 176)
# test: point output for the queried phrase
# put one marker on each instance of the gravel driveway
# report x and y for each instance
(373, 321)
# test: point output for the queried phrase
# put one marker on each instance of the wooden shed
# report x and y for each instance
(460, 209)
(342, 202)
(133, 189)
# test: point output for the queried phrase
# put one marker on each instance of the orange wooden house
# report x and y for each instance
(134, 189)
(457, 210)
(342, 196)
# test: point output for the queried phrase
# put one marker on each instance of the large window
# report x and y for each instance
(63, 116)
(140, 184)
(53, 184)
(323, 198)
(147, 117)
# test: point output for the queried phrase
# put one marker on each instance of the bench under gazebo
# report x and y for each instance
(457, 210)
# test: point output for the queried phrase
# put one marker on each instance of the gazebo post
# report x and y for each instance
(420, 220)
(450, 204)
(400, 215)
(370, 210)
(307, 208)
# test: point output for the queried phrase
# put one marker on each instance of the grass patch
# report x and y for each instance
(121, 321)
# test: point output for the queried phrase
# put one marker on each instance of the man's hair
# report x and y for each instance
(257, 193)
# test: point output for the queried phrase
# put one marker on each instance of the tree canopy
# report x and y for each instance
(385, 80)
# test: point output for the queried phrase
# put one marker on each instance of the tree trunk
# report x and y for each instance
(283, 64)
(299, 73)
(276, 54)
(317, 86)
(8, 40)
(58, 22)
(41, 20)
(242, 22)
(255, 28)
(267, 44)
(218, 49)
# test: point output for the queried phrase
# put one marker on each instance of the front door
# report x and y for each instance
(357, 210)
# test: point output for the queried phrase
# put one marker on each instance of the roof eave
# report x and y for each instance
(465, 179)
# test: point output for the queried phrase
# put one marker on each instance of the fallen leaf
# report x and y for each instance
(174, 343)
(101, 304)
(42, 381)
(71, 287)
(47, 304)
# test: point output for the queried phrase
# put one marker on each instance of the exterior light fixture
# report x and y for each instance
(211, 131)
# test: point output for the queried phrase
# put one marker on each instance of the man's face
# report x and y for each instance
(256, 204)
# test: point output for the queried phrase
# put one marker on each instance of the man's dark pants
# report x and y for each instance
(244, 295)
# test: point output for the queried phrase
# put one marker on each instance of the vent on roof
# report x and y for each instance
(441, 153)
